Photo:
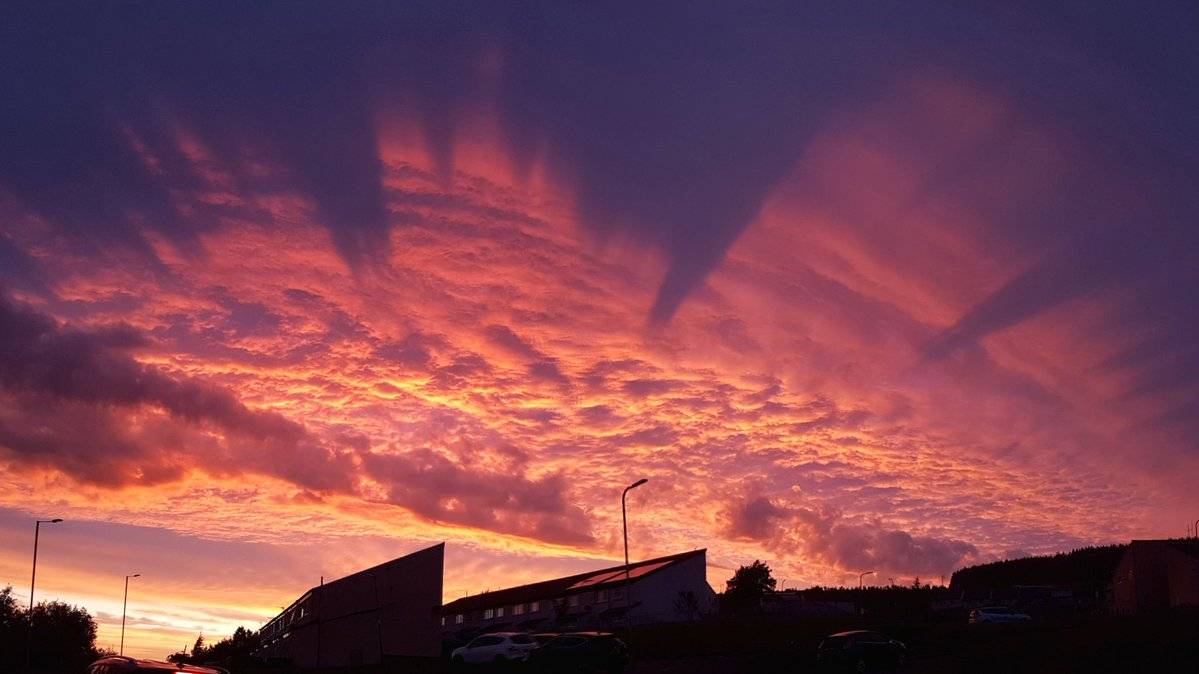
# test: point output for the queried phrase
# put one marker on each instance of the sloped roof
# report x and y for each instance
(567, 585)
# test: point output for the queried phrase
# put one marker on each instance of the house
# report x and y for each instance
(666, 589)
(383, 613)
(1157, 574)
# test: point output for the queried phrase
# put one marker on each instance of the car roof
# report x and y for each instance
(588, 634)
(850, 633)
(500, 634)
(157, 665)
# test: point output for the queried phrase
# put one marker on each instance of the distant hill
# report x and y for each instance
(1083, 569)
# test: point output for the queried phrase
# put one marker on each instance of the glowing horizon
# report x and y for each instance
(916, 350)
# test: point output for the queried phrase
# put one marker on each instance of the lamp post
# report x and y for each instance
(624, 519)
(124, 606)
(861, 576)
(37, 529)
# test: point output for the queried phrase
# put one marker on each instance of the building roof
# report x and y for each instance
(1189, 546)
(567, 585)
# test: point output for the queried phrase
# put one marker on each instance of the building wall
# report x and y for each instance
(1154, 575)
(1183, 572)
(655, 596)
(389, 610)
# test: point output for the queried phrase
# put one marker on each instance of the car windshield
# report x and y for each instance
(485, 641)
(566, 642)
(832, 642)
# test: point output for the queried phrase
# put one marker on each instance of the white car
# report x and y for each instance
(495, 647)
(997, 614)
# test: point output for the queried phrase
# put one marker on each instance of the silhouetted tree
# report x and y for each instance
(747, 587)
(242, 643)
(198, 647)
(686, 604)
(63, 637)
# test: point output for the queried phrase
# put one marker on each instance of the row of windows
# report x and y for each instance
(601, 596)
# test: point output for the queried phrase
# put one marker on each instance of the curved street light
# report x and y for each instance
(37, 529)
(624, 519)
(861, 576)
(124, 606)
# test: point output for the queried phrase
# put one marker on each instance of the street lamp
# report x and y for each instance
(37, 529)
(624, 518)
(861, 576)
(124, 606)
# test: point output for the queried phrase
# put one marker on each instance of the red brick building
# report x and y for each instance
(1156, 575)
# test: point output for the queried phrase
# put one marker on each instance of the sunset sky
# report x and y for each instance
(289, 290)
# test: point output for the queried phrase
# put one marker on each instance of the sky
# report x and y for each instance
(289, 290)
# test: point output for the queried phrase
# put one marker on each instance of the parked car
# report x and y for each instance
(118, 664)
(494, 647)
(997, 614)
(542, 638)
(860, 651)
(581, 652)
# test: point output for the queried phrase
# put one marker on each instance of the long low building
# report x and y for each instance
(666, 589)
(384, 613)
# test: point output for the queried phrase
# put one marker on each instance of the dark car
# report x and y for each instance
(117, 664)
(861, 651)
(581, 652)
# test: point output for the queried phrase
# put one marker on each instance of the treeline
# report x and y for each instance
(1088, 568)
(226, 651)
(62, 638)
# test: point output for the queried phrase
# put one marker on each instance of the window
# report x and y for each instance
(534, 606)
(521, 639)
(499, 612)
(458, 619)
(601, 595)
(572, 601)
(617, 593)
(443, 621)
(519, 609)
(488, 613)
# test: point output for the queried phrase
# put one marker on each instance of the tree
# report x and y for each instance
(198, 647)
(62, 637)
(748, 586)
(686, 604)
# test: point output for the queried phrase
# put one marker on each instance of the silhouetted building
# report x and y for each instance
(666, 589)
(386, 612)
(1155, 575)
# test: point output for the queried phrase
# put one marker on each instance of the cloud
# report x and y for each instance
(79, 401)
(822, 535)
(472, 494)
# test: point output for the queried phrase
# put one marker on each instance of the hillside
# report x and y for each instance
(1084, 568)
